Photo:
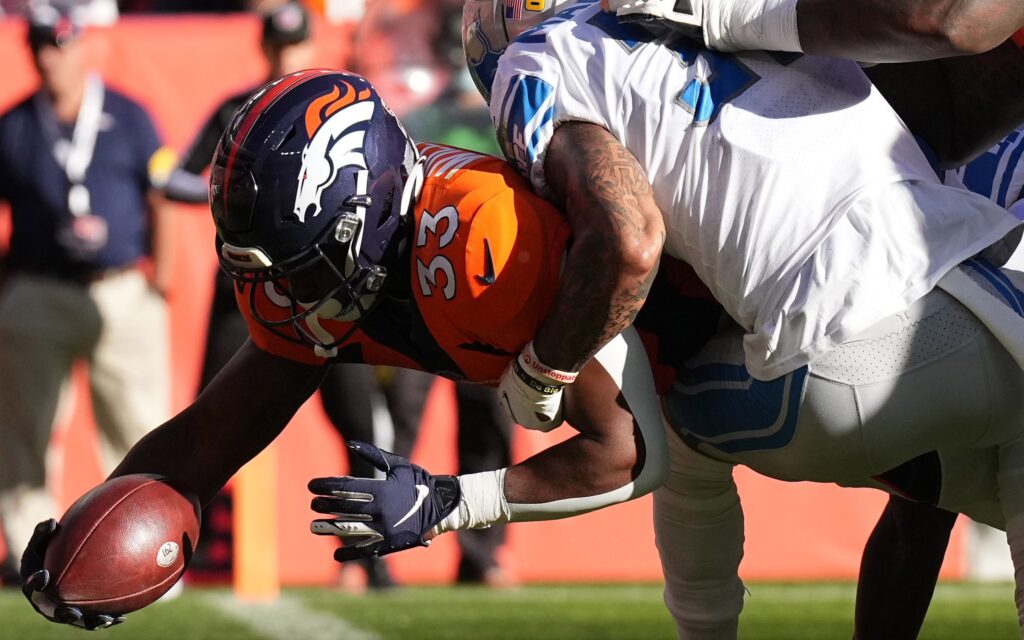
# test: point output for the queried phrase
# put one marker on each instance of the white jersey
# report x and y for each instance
(786, 181)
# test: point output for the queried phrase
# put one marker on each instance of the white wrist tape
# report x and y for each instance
(531, 364)
(482, 503)
(743, 25)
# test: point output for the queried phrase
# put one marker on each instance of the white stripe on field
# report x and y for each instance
(286, 619)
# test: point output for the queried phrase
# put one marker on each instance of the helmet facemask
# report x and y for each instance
(321, 283)
(327, 281)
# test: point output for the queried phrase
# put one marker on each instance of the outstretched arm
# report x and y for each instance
(619, 454)
(235, 417)
(905, 30)
(864, 30)
(238, 414)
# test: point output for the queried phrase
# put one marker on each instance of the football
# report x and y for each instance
(122, 545)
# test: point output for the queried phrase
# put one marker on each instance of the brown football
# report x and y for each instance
(122, 545)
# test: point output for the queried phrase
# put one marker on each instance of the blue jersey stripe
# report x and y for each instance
(1013, 297)
(1009, 172)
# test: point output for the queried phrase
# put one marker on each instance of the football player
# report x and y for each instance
(958, 112)
(350, 244)
(824, 244)
(957, 108)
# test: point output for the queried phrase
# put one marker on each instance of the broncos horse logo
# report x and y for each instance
(336, 124)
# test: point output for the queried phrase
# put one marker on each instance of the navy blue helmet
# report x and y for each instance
(310, 189)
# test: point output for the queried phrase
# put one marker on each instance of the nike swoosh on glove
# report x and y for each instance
(35, 580)
(377, 517)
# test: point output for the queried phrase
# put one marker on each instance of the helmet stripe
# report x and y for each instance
(278, 89)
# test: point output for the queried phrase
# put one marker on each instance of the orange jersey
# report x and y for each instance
(484, 261)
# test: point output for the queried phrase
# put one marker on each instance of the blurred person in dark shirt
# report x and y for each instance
(75, 167)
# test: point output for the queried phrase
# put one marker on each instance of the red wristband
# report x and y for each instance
(1018, 38)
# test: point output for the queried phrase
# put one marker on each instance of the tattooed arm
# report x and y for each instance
(618, 233)
(617, 236)
(959, 106)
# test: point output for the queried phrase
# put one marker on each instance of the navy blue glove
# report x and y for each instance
(377, 517)
(35, 579)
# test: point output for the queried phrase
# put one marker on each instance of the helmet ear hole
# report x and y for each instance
(285, 136)
(389, 202)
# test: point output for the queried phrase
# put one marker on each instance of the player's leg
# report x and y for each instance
(1008, 286)
(348, 394)
(44, 324)
(406, 393)
(1011, 482)
(698, 524)
(953, 401)
(484, 444)
(129, 368)
(226, 330)
(901, 564)
(918, 382)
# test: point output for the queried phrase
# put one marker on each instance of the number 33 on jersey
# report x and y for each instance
(484, 265)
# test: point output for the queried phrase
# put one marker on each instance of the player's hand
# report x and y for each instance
(35, 580)
(377, 517)
(686, 17)
(531, 391)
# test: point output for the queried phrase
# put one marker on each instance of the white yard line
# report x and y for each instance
(286, 619)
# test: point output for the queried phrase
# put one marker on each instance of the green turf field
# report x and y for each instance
(583, 612)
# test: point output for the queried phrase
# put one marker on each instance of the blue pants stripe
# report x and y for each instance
(722, 406)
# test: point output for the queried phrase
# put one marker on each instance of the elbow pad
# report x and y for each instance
(625, 360)
(483, 501)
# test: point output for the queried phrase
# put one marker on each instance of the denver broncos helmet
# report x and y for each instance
(488, 26)
(310, 187)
